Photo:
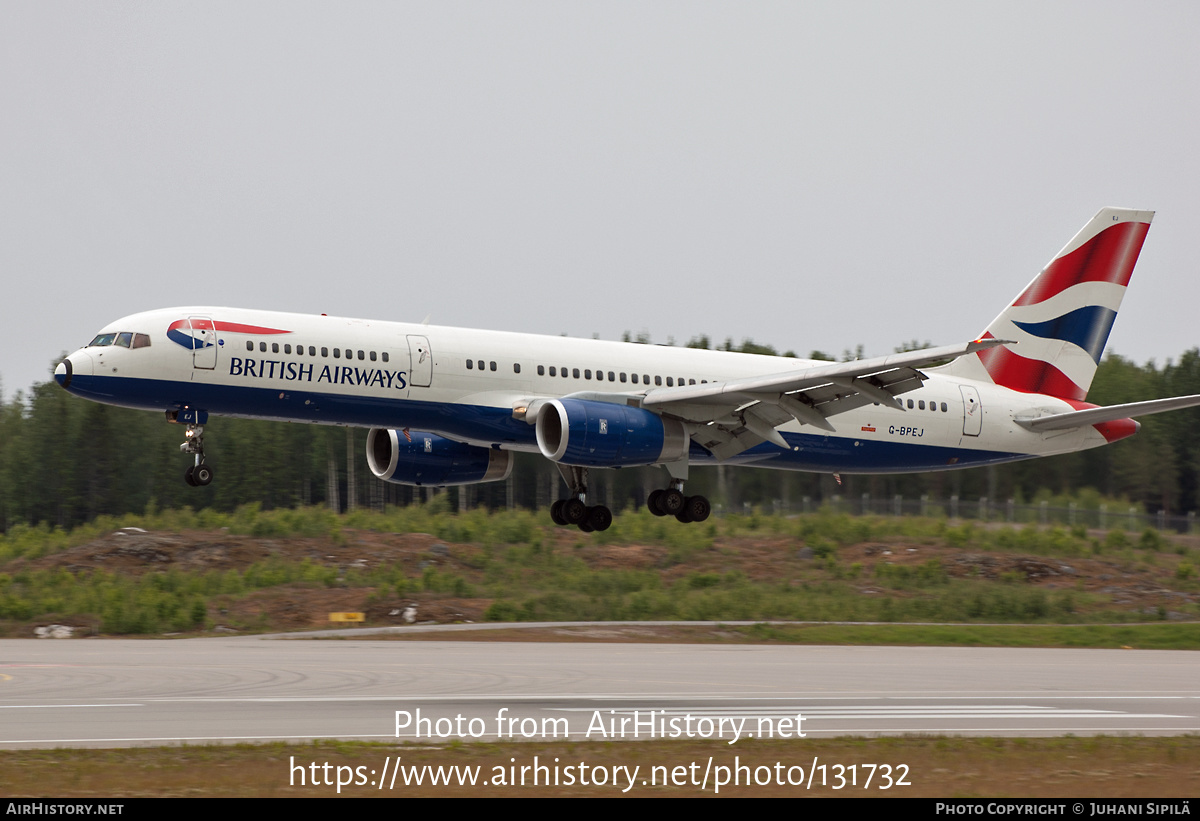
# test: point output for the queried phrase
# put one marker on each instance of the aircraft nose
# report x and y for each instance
(77, 364)
(63, 373)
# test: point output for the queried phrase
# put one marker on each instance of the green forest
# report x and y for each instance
(64, 461)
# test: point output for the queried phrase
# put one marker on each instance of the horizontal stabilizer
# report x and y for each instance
(1095, 416)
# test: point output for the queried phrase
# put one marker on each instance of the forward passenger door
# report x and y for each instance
(420, 372)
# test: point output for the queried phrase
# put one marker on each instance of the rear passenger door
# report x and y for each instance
(972, 411)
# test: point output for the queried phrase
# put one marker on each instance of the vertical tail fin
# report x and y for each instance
(1061, 321)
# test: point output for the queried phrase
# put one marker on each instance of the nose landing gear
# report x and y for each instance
(198, 474)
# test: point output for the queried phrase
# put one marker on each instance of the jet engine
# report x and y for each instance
(426, 459)
(605, 434)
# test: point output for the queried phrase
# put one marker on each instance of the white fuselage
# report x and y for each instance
(473, 386)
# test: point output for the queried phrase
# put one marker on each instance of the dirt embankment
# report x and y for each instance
(1149, 587)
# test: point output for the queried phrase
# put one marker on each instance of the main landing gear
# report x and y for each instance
(574, 510)
(671, 502)
(199, 474)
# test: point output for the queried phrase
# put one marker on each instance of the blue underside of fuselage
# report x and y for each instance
(819, 453)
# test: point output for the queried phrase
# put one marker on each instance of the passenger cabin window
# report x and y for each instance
(337, 353)
(470, 365)
(372, 356)
(492, 365)
(516, 367)
(262, 346)
(542, 370)
(385, 356)
(249, 345)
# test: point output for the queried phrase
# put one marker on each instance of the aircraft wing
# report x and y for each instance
(1094, 416)
(740, 413)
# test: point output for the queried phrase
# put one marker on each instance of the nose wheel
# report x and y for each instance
(198, 475)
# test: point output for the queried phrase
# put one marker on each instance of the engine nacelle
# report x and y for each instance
(431, 460)
(605, 434)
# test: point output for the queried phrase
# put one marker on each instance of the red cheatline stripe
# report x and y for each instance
(231, 327)
(1107, 257)
(238, 328)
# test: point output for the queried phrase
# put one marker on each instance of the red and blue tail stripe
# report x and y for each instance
(1061, 322)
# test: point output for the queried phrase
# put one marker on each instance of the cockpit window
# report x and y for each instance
(123, 339)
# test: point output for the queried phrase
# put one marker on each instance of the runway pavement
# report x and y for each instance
(111, 693)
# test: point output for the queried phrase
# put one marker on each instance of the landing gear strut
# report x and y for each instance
(199, 474)
(574, 509)
(671, 502)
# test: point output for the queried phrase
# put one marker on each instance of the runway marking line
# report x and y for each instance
(59, 706)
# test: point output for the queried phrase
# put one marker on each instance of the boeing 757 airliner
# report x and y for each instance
(448, 406)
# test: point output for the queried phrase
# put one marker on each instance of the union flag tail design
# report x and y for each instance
(1061, 321)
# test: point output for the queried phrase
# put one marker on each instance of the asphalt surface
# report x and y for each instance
(113, 693)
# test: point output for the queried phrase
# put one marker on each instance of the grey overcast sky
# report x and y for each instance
(811, 175)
